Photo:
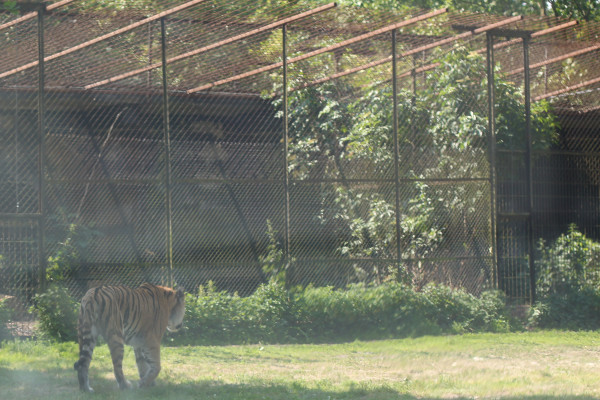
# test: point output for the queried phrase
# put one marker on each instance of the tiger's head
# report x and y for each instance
(177, 312)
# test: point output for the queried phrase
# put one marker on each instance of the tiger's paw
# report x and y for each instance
(125, 385)
(143, 383)
(87, 389)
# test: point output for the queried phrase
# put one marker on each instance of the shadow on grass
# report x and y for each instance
(61, 384)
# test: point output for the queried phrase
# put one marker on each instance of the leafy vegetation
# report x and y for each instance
(57, 313)
(343, 131)
(273, 315)
(5, 317)
(583, 10)
(56, 308)
(568, 283)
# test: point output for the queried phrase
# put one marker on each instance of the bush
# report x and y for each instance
(572, 262)
(326, 314)
(214, 317)
(362, 312)
(396, 310)
(568, 284)
(5, 317)
(573, 309)
(57, 313)
(458, 312)
(272, 314)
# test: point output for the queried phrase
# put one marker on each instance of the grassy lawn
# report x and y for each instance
(541, 365)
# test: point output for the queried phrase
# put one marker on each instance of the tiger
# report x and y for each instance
(122, 315)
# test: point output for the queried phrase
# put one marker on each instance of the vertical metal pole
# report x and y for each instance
(396, 147)
(286, 177)
(167, 152)
(529, 163)
(492, 153)
(41, 150)
(413, 73)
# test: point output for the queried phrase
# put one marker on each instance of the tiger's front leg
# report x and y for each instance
(148, 362)
(140, 360)
(116, 346)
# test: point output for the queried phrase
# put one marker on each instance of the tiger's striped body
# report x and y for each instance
(137, 317)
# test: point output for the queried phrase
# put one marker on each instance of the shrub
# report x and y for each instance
(5, 317)
(571, 262)
(568, 283)
(574, 309)
(457, 311)
(396, 310)
(326, 314)
(57, 313)
(214, 317)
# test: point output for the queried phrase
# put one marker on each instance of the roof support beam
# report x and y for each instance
(533, 35)
(31, 15)
(213, 46)
(321, 50)
(103, 37)
(499, 45)
(416, 50)
(567, 89)
(556, 59)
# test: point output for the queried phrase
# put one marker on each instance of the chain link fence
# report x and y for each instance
(187, 142)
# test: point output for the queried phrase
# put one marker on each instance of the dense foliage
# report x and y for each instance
(57, 313)
(343, 131)
(581, 9)
(568, 283)
(274, 315)
(5, 317)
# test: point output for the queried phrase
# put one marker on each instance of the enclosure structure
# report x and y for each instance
(203, 141)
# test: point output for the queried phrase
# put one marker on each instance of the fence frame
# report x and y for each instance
(491, 31)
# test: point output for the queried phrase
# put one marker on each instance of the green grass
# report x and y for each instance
(535, 366)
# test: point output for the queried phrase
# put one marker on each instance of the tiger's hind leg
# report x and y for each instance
(116, 346)
(148, 359)
(87, 342)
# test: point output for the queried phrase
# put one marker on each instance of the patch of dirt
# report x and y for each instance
(22, 329)
(23, 324)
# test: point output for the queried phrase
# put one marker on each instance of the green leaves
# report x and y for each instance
(342, 133)
(57, 313)
(325, 314)
(571, 262)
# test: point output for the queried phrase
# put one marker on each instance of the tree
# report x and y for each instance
(343, 132)
(588, 10)
(502, 7)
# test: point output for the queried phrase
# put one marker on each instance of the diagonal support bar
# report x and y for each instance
(556, 59)
(321, 50)
(568, 89)
(103, 37)
(414, 51)
(213, 46)
(32, 15)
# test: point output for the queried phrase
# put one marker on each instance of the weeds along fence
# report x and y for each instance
(187, 142)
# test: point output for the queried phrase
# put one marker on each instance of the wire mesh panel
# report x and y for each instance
(20, 191)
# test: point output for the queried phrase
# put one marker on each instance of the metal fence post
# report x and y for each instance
(396, 147)
(530, 232)
(41, 123)
(492, 151)
(286, 177)
(167, 152)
